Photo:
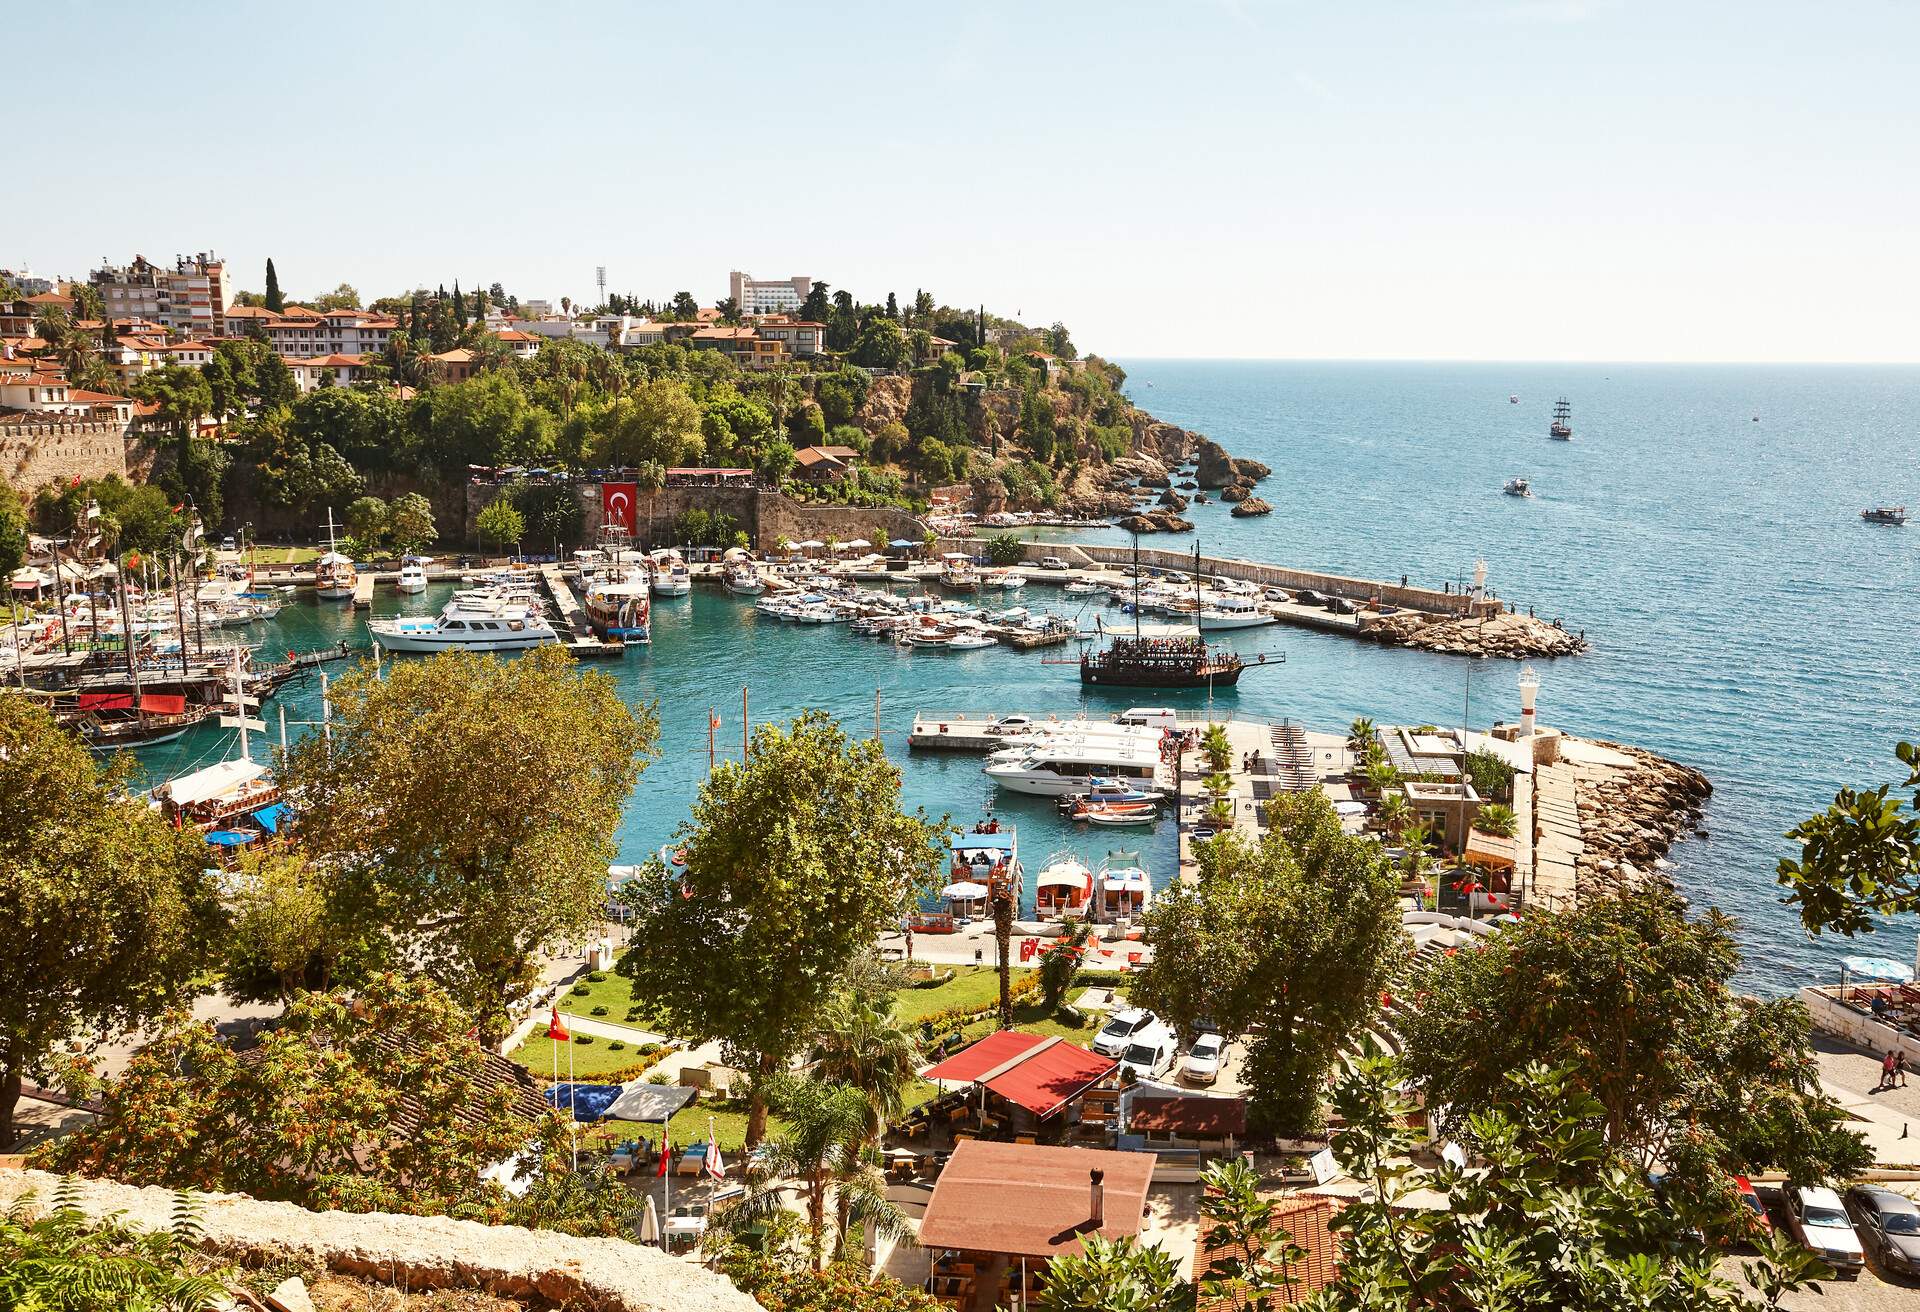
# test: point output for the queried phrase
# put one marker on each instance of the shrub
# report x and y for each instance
(581, 990)
(658, 1077)
(599, 1011)
(583, 1038)
(616, 1045)
(1070, 1016)
(597, 976)
(1495, 819)
(1006, 550)
(1491, 776)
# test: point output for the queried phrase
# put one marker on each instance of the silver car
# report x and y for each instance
(1890, 1225)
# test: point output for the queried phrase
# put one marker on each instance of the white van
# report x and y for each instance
(1151, 1052)
(1156, 717)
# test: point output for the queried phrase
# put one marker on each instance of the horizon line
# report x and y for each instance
(1441, 359)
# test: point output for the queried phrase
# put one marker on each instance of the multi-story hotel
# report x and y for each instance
(190, 298)
(768, 296)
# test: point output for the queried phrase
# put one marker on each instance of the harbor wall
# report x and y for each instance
(1271, 576)
(766, 516)
(39, 452)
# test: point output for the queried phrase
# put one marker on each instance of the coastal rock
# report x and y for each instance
(1156, 480)
(1250, 471)
(1159, 521)
(1215, 466)
(1202, 499)
(1506, 634)
(1173, 500)
(1187, 485)
(1632, 810)
(1235, 492)
(1251, 506)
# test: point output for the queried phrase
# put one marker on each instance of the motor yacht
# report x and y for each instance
(1123, 890)
(1518, 487)
(466, 626)
(1053, 768)
(1063, 888)
(413, 574)
(957, 572)
(742, 580)
(1224, 612)
(671, 578)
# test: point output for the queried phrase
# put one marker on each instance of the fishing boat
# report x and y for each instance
(986, 857)
(334, 576)
(1063, 888)
(1518, 487)
(1081, 588)
(671, 578)
(1108, 791)
(1219, 612)
(617, 603)
(1123, 890)
(1129, 814)
(742, 580)
(465, 625)
(957, 573)
(1561, 429)
(1162, 656)
(236, 804)
(413, 574)
(1885, 515)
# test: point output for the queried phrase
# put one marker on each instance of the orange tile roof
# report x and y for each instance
(1032, 1200)
(49, 298)
(332, 361)
(97, 398)
(515, 335)
(1308, 1218)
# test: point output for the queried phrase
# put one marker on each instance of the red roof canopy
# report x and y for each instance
(1040, 1074)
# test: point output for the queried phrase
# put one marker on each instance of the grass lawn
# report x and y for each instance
(971, 986)
(286, 555)
(690, 1126)
(615, 993)
(589, 1059)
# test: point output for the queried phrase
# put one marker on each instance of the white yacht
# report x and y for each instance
(466, 626)
(333, 574)
(957, 572)
(1224, 612)
(1125, 889)
(1052, 768)
(671, 578)
(740, 578)
(413, 574)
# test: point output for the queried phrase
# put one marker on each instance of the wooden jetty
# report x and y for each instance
(363, 590)
(581, 639)
(974, 731)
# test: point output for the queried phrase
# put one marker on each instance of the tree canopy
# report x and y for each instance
(795, 862)
(109, 909)
(1297, 934)
(1860, 858)
(468, 804)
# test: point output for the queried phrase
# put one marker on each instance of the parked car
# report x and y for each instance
(1890, 1224)
(1116, 1036)
(1203, 1059)
(1308, 597)
(1053, 562)
(228, 544)
(1151, 1052)
(1818, 1219)
(1341, 606)
(1277, 594)
(1752, 1200)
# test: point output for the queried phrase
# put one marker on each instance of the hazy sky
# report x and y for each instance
(1507, 179)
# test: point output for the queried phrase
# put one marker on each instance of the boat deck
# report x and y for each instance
(581, 640)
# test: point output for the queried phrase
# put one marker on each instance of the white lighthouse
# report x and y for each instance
(1529, 689)
(1479, 580)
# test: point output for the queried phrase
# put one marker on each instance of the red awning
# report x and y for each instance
(106, 701)
(1051, 1077)
(990, 1053)
(163, 703)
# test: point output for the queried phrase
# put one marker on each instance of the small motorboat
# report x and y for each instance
(1885, 515)
(1518, 487)
(1119, 814)
(1513, 398)
(413, 574)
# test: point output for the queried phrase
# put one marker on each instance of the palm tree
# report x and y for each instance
(864, 1046)
(1496, 819)
(1000, 899)
(1395, 813)
(824, 1155)
(1415, 864)
(1059, 962)
(1380, 776)
(1360, 733)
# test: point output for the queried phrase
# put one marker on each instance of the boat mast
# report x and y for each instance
(126, 628)
(1136, 586)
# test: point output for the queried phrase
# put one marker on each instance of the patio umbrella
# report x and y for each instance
(1878, 968)
(650, 1223)
(903, 542)
(855, 545)
(810, 544)
(964, 891)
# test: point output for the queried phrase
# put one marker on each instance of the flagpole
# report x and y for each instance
(573, 1107)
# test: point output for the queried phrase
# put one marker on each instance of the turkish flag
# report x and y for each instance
(666, 1155)
(555, 1030)
(616, 504)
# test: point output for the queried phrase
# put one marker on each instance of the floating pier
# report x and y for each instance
(363, 590)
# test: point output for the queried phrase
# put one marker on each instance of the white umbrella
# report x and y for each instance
(964, 891)
(650, 1223)
(855, 545)
(810, 544)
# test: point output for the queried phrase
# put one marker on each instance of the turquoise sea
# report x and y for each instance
(1744, 620)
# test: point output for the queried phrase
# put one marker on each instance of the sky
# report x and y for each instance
(1444, 179)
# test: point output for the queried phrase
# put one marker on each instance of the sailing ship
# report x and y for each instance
(333, 574)
(617, 603)
(1561, 429)
(1162, 655)
(235, 804)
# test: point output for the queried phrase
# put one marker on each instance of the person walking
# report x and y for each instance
(1887, 1065)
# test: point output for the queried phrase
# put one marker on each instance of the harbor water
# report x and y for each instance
(1702, 527)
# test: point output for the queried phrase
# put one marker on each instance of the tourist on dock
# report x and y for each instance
(1887, 1065)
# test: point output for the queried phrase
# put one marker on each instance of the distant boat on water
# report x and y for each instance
(1513, 398)
(1895, 515)
(1518, 487)
(1561, 429)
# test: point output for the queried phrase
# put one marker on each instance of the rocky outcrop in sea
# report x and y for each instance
(1631, 816)
(1506, 634)
(1251, 506)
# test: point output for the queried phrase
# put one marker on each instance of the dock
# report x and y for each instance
(581, 640)
(363, 590)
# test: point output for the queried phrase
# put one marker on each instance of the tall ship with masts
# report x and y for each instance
(334, 576)
(1561, 429)
(1162, 655)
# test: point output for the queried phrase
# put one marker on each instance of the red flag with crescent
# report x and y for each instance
(616, 504)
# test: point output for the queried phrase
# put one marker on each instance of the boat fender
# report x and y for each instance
(943, 728)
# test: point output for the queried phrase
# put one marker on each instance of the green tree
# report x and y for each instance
(13, 529)
(410, 523)
(499, 523)
(1496, 819)
(182, 395)
(315, 1116)
(729, 309)
(1859, 858)
(1006, 549)
(366, 521)
(824, 1153)
(61, 1260)
(882, 344)
(343, 297)
(1635, 1000)
(111, 908)
(1115, 1275)
(814, 308)
(776, 460)
(274, 300)
(1490, 775)
(552, 511)
(538, 754)
(861, 1043)
(486, 420)
(683, 307)
(88, 304)
(656, 420)
(797, 860)
(1299, 933)
(1061, 959)
(844, 1287)
(287, 934)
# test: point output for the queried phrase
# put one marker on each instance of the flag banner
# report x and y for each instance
(555, 1030)
(666, 1155)
(617, 501)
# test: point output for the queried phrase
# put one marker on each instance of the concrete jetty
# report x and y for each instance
(581, 639)
(363, 591)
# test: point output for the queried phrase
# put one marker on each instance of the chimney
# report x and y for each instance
(1099, 1198)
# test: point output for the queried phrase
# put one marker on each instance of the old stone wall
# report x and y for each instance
(36, 453)
(766, 516)
(419, 1252)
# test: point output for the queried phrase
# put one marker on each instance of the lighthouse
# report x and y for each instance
(1529, 689)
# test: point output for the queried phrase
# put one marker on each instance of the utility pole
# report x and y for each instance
(746, 748)
(876, 715)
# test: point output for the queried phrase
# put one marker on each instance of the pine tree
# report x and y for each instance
(274, 301)
(893, 307)
(417, 327)
(459, 307)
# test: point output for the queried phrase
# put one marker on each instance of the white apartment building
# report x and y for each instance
(190, 298)
(302, 334)
(796, 336)
(25, 282)
(768, 296)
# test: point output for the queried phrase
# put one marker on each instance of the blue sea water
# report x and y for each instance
(1743, 619)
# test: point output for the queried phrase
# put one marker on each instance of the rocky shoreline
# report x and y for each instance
(1507, 634)
(1631, 817)
(1146, 490)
